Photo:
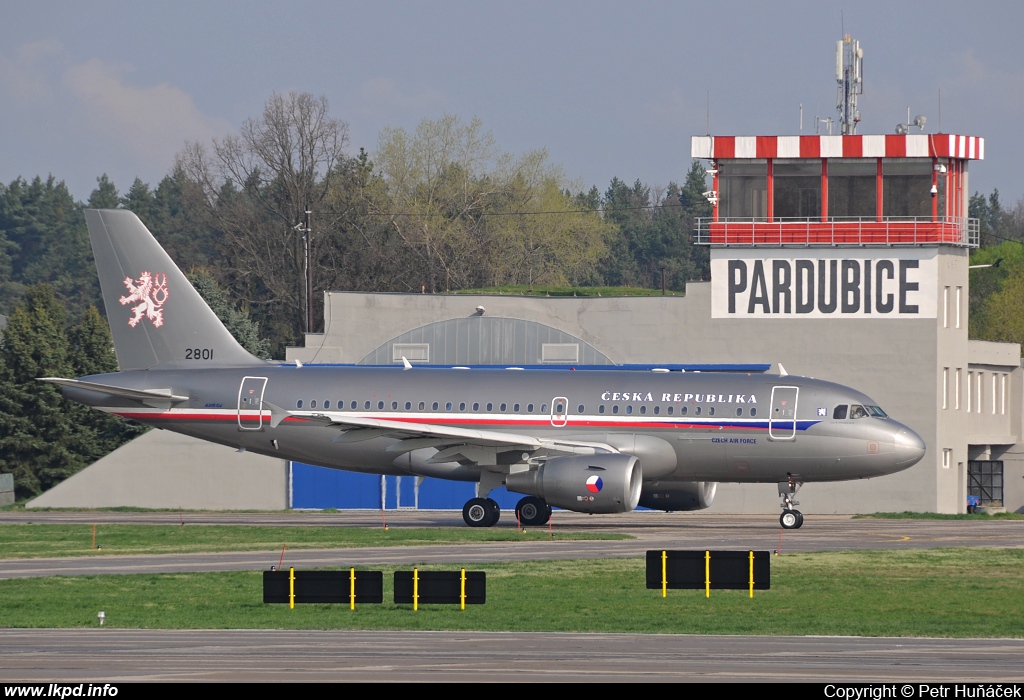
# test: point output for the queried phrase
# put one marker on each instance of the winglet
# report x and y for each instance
(405, 363)
(782, 371)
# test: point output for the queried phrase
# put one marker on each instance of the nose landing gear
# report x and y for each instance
(791, 519)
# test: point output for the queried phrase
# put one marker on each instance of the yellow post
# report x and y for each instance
(415, 589)
(352, 589)
(707, 574)
(751, 573)
(664, 574)
(462, 592)
(291, 587)
(94, 535)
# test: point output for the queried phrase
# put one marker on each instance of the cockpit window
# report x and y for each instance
(839, 412)
(876, 412)
(858, 411)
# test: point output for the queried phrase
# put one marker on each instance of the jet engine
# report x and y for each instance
(602, 483)
(678, 495)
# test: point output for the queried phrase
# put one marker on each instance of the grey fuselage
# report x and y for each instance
(691, 427)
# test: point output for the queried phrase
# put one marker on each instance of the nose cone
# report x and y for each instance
(909, 448)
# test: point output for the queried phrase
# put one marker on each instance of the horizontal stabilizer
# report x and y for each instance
(151, 397)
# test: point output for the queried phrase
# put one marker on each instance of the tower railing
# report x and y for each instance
(838, 231)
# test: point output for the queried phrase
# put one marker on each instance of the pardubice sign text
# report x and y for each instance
(853, 283)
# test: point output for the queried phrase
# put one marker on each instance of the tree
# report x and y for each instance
(254, 189)
(237, 321)
(44, 439)
(46, 242)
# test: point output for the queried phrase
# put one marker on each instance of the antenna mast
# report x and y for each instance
(850, 77)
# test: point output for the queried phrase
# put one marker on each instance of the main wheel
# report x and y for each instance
(533, 511)
(477, 512)
(495, 512)
(799, 519)
(790, 519)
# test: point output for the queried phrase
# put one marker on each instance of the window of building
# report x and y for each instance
(906, 188)
(947, 457)
(743, 189)
(959, 295)
(945, 387)
(985, 480)
(945, 307)
(956, 389)
(797, 189)
(852, 189)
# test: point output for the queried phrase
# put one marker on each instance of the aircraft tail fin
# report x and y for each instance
(156, 316)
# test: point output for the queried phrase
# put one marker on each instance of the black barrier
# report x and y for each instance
(708, 569)
(440, 587)
(323, 586)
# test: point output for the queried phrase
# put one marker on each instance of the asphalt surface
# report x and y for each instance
(121, 656)
(113, 655)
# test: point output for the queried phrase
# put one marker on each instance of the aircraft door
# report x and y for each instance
(782, 421)
(250, 403)
(559, 411)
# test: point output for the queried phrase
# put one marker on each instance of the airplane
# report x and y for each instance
(587, 441)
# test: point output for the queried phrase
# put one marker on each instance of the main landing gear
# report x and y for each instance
(791, 519)
(481, 512)
(533, 511)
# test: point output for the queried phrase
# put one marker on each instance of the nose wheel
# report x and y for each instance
(481, 512)
(791, 519)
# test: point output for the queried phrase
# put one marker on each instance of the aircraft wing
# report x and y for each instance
(452, 442)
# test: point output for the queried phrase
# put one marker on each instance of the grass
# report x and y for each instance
(45, 540)
(908, 515)
(937, 593)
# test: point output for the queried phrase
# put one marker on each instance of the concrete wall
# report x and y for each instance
(165, 470)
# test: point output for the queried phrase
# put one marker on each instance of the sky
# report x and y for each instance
(610, 89)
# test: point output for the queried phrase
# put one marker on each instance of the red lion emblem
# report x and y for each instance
(151, 291)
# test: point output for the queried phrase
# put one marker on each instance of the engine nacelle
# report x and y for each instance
(602, 483)
(678, 495)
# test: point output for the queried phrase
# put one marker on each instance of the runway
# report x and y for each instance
(113, 655)
(290, 656)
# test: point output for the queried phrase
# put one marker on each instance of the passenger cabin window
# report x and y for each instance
(327, 404)
(433, 406)
(354, 405)
(615, 409)
(312, 404)
(490, 407)
(503, 407)
(448, 406)
(599, 410)
(394, 405)
(462, 406)
(515, 408)
(629, 409)
(476, 406)
(579, 409)
(711, 410)
(298, 404)
(839, 412)
(366, 405)
(408, 405)
(739, 411)
(422, 405)
(380, 405)
(753, 411)
(657, 410)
